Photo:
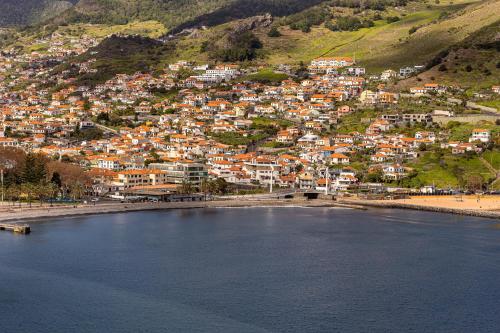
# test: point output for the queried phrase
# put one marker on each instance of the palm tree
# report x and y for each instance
(205, 187)
(186, 188)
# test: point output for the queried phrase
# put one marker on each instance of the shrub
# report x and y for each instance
(442, 68)
(243, 47)
(274, 32)
(348, 23)
(392, 19)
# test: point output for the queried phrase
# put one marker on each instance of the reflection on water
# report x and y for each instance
(253, 270)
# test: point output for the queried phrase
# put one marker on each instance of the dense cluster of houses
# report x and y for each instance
(161, 141)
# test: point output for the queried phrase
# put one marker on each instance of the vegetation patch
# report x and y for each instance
(266, 76)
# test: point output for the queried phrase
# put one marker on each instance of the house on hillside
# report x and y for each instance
(480, 134)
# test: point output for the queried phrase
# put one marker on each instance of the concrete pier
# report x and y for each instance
(16, 228)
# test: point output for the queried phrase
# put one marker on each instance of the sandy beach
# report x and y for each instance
(489, 203)
(473, 205)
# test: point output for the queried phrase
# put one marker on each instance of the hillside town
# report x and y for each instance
(328, 126)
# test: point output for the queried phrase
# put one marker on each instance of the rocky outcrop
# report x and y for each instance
(252, 23)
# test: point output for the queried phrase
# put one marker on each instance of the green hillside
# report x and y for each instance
(380, 34)
(120, 55)
(22, 12)
(389, 45)
(473, 63)
(177, 14)
(383, 45)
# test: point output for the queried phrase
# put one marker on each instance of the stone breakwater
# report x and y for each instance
(458, 211)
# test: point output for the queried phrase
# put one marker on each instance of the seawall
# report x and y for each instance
(43, 213)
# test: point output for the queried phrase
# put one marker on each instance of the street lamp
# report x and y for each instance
(1, 180)
(326, 178)
(271, 185)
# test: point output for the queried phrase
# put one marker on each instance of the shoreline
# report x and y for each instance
(16, 215)
(415, 206)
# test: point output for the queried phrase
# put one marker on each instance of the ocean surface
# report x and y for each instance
(253, 270)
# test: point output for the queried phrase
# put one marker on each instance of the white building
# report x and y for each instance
(479, 134)
(332, 62)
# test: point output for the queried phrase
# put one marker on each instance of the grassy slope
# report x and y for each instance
(449, 170)
(432, 38)
(388, 45)
(471, 64)
(457, 74)
(266, 75)
(380, 47)
(462, 131)
(297, 46)
(493, 157)
(152, 29)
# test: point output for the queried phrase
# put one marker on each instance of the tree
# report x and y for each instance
(28, 190)
(154, 155)
(221, 186)
(375, 177)
(186, 188)
(52, 191)
(348, 23)
(34, 170)
(205, 187)
(12, 193)
(77, 190)
(42, 190)
(68, 173)
(56, 179)
(103, 118)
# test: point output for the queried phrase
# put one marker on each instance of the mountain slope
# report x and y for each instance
(420, 32)
(473, 63)
(390, 45)
(177, 14)
(381, 34)
(120, 55)
(22, 12)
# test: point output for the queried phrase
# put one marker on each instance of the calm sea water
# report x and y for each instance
(253, 270)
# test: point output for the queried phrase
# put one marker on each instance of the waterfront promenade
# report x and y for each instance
(488, 206)
(23, 214)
